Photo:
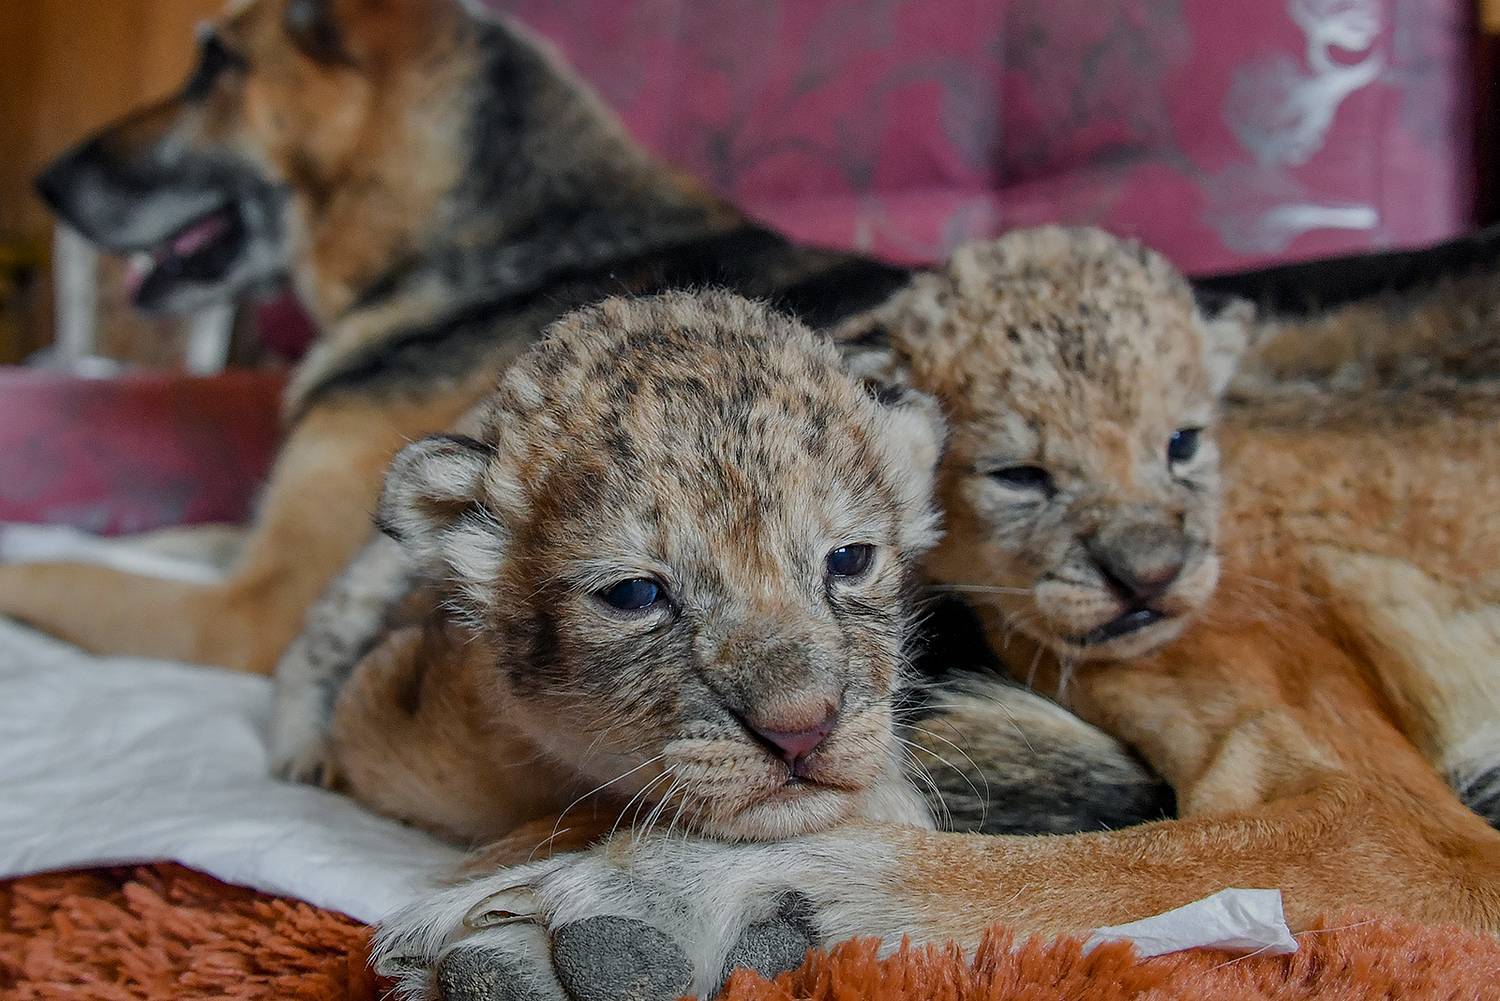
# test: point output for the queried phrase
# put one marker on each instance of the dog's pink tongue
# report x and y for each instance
(199, 235)
(136, 270)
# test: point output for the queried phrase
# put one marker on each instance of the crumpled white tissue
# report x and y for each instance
(117, 760)
(1233, 920)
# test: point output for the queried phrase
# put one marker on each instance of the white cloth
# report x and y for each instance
(1234, 920)
(112, 760)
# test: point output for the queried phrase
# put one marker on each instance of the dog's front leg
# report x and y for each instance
(315, 514)
(655, 917)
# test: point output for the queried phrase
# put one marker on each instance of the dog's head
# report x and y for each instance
(308, 128)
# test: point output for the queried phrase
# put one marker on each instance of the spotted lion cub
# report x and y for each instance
(667, 576)
(1080, 381)
(1334, 591)
(1082, 481)
(674, 565)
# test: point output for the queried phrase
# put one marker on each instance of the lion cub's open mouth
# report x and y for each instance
(1121, 625)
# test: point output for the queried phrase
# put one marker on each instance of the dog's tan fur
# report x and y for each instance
(1290, 708)
(361, 198)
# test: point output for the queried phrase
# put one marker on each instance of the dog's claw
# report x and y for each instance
(513, 905)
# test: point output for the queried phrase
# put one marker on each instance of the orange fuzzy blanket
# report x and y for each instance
(163, 932)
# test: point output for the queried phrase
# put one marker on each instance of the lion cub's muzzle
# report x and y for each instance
(1129, 590)
(782, 744)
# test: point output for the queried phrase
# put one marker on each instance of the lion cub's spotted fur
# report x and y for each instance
(1066, 362)
(719, 451)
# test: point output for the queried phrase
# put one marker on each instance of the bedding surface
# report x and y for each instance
(109, 761)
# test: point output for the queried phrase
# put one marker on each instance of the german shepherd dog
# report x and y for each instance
(438, 187)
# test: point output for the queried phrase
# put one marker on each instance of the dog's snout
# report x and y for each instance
(97, 193)
(1139, 562)
(60, 178)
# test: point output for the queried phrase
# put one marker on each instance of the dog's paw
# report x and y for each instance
(311, 764)
(651, 922)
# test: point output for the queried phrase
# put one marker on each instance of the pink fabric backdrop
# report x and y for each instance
(1224, 132)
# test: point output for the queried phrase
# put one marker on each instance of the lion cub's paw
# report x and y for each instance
(651, 922)
(301, 746)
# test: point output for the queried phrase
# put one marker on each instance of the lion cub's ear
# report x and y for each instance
(435, 504)
(869, 352)
(1229, 324)
(912, 436)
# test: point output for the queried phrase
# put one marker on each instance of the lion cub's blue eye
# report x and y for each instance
(1183, 445)
(631, 595)
(850, 561)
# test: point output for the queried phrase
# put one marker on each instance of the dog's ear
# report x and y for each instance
(358, 32)
(436, 505)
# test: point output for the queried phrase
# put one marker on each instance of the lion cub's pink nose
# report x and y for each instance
(782, 736)
(796, 743)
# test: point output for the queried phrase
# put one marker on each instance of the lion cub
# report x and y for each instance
(1326, 618)
(1081, 484)
(673, 566)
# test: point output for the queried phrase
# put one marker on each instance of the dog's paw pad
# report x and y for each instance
(481, 974)
(777, 944)
(619, 959)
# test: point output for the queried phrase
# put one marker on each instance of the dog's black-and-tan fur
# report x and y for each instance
(438, 189)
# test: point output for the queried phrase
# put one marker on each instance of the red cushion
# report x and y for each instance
(135, 452)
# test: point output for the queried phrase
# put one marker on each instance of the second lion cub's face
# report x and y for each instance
(690, 539)
(1081, 485)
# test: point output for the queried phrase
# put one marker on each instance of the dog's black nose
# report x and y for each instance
(61, 182)
(1139, 562)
